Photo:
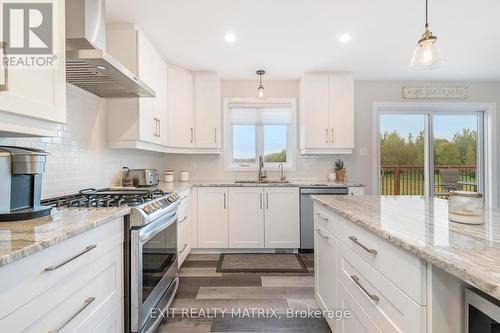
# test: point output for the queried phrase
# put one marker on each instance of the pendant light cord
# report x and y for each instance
(426, 13)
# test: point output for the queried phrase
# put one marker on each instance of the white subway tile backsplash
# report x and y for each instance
(78, 156)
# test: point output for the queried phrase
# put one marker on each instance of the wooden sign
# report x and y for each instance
(435, 92)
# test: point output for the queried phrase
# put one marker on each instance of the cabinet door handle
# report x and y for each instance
(224, 200)
(215, 135)
(67, 261)
(5, 85)
(183, 219)
(373, 297)
(326, 135)
(332, 136)
(322, 236)
(260, 199)
(355, 240)
(184, 248)
(192, 135)
(267, 200)
(86, 303)
(159, 127)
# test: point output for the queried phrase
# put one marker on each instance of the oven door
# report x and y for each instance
(482, 313)
(153, 266)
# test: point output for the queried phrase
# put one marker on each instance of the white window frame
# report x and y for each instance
(487, 162)
(228, 136)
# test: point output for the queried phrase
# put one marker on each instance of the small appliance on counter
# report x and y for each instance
(142, 177)
(21, 172)
(466, 207)
(184, 176)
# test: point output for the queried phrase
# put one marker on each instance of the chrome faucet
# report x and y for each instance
(262, 173)
(282, 168)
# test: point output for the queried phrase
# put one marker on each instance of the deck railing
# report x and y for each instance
(409, 179)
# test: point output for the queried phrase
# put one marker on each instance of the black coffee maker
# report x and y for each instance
(21, 172)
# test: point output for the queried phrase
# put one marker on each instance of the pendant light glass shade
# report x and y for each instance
(427, 54)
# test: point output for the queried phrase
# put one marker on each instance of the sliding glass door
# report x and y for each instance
(430, 153)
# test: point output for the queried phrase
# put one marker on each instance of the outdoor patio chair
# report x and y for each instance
(449, 180)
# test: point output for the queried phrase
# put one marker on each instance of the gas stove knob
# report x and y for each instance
(148, 209)
(170, 199)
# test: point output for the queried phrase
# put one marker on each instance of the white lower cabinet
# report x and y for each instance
(359, 321)
(246, 217)
(363, 273)
(212, 217)
(184, 224)
(84, 294)
(282, 226)
(325, 268)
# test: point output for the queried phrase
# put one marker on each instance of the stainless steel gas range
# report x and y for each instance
(150, 249)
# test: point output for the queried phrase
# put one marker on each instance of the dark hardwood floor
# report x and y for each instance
(208, 301)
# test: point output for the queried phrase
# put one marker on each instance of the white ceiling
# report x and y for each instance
(289, 37)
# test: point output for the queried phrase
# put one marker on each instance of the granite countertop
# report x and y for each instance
(469, 252)
(180, 186)
(23, 238)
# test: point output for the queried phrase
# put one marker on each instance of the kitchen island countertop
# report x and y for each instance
(421, 227)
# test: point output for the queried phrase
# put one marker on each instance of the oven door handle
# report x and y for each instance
(154, 228)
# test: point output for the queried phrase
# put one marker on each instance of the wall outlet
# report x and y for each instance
(363, 151)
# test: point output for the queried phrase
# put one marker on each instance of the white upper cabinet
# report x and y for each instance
(207, 111)
(137, 122)
(180, 108)
(327, 113)
(33, 101)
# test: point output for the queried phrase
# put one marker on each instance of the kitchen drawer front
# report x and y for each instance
(183, 243)
(324, 217)
(185, 204)
(26, 279)
(405, 270)
(359, 321)
(77, 303)
(388, 307)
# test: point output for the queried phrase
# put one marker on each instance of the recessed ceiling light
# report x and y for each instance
(230, 37)
(345, 38)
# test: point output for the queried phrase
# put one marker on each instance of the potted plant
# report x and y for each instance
(339, 170)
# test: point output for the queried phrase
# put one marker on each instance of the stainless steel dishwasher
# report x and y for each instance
(307, 212)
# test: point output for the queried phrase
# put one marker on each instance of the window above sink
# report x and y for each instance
(256, 127)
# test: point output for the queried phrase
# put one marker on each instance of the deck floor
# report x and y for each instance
(208, 301)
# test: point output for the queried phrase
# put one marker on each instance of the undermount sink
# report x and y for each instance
(261, 182)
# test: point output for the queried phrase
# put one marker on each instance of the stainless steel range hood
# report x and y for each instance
(88, 66)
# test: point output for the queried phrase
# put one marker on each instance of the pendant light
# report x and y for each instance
(427, 54)
(260, 88)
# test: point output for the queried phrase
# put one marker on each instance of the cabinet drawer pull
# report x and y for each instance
(55, 267)
(87, 302)
(373, 297)
(326, 135)
(322, 236)
(183, 249)
(183, 219)
(355, 240)
(192, 135)
(322, 217)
